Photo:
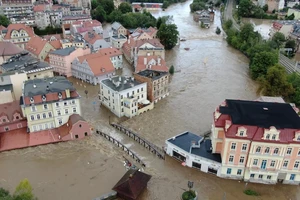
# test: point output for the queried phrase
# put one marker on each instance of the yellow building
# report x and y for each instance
(47, 103)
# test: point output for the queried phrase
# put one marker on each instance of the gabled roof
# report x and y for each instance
(52, 36)
(10, 109)
(98, 63)
(63, 52)
(116, 25)
(18, 27)
(132, 184)
(92, 37)
(2, 27)
(35, 45)
(111, 52)
(65, 129)
(152, 62)
(9, 49)
(56, 44)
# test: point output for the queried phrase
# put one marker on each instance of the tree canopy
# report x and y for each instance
(248, 9)
(22, 192)
(125, 7)
(294, 79)
(279, 39)
(168, 35)
(261, 62)
(4, 21)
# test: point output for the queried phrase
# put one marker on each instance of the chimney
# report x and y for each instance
(129, 39)
(145, 61)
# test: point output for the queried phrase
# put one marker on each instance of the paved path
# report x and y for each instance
(228, 13)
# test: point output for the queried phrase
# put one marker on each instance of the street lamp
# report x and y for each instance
(190, 184)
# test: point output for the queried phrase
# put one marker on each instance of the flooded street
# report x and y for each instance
(209, 72)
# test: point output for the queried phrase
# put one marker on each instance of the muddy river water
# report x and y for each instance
(208, 73)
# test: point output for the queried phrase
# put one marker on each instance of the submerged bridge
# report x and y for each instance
(148, 145)
(119, 144)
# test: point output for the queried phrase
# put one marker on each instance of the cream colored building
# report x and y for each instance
(48, 103)
(124, 96)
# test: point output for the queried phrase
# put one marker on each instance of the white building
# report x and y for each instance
(194, 152)
(124, 96)
(115, 56)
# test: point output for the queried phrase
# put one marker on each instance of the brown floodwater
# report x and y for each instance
(208, 73)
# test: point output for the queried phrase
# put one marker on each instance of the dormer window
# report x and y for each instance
(273, 137)
(268, 136)
(241, 132)
(271, 133)
(297, 136)
(44, 97)
(59, 95)
(31, 100)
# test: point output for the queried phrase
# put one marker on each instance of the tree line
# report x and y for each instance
(22, 192)
(264, 54)
(246, 8)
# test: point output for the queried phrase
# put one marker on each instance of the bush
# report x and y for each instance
(171, 70)
(189, 195)
(251, 192)
(218, 31)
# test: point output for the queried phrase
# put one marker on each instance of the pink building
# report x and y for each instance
(11, 117)
(61, 59)
(83, 27)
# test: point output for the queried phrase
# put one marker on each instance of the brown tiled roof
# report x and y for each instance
(98, 63)
(132, 184)
(2, 27)
(111, 52)
(48, 37)
(18, 27)
(151, 30)
(66, 26)
(35, 45)
(89, 23)
(9, 109)
(39, 8)
(9, 49)
(155, 66)
(91, 37)
(56, 44)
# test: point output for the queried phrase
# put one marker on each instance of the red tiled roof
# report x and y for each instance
(18, 27)
(9, 49)
(111, 52)
(2, 27)
(39, 8)
(56, 44)
(126, 48)
(92, 37)
(89, 23)
(277, 25)
(98, 63)
(35, 45)
(48, 37)
(151, 63)
(9, 109)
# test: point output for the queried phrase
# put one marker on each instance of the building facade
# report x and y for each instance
(92, 68)
(48, 103)
(124, 96)
(157, 83)
(118, 29)
(254, 144)
(39, 47)
(61, 59)
(7, 50)
(150, 62)
(83, 27)
(117, 41)
(115, 56)
(18, 12)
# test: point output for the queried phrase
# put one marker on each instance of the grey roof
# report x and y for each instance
(124, 83)
(24, 62)
(6, 87)
(116, 25)
(154, 75)
(48, 85)
(9, 49)
(184, 141)
(63, 52)
(119, 37)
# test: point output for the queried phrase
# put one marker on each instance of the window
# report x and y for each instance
(258, 149)
(242, 133)
(50, 114)
(58, 113)
(260, 176)
(239, 172)
(252, 175)
(269, 177)
(66, 111)
(231, 158)
(244, 147)
(242, 158)
(289, 151)
(229, 171)
(276, 150)
(296, 165)
(60, 121)
(142, 89)
(272, 163)
(45, 106)
(65, 103)
(299, 152)
(292, 177)
(32, 117)
(33, 108)
(255, 161)
(233, 145)
(38, 116)
(74, 110)
(267, 150)
(268, 137)
(285, 163)
(73, 101)
(44, 115)
(121, 96)
(57, 104)
(273, 137)
(263, 164)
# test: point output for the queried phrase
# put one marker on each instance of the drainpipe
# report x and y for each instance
(247, 157)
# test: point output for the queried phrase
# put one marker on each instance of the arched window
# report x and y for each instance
(268, 137)
(273, 137)
(267, 150)
(276, 150)
(258, 149)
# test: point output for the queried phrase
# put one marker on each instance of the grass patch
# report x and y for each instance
(251, 192)
(189, 195)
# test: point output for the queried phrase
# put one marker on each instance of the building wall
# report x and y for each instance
(19, 38)
(44, 53)
(154, 52)
(40, 74)
(122, 31)
(12, 126)
(117, 61)
(80, 129)
(6, 96)
(54, 114)
(118, 43)
(296, 13)
(17, 81)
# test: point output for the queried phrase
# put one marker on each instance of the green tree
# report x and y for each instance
(279, 39)
(4, 194)
(291, 17)
(245, 8)
(247, 31)
(107, 5)
(95, 4)
(228, 24)
(261, 62)
(275, 83)
(23, 191)
(115, 16)
(290, 44)
(99, 14)
(218, 31)
(265, 7)
(168, 35)
(294, 79)
(4, 21)
(172, 70)
(125, 7)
